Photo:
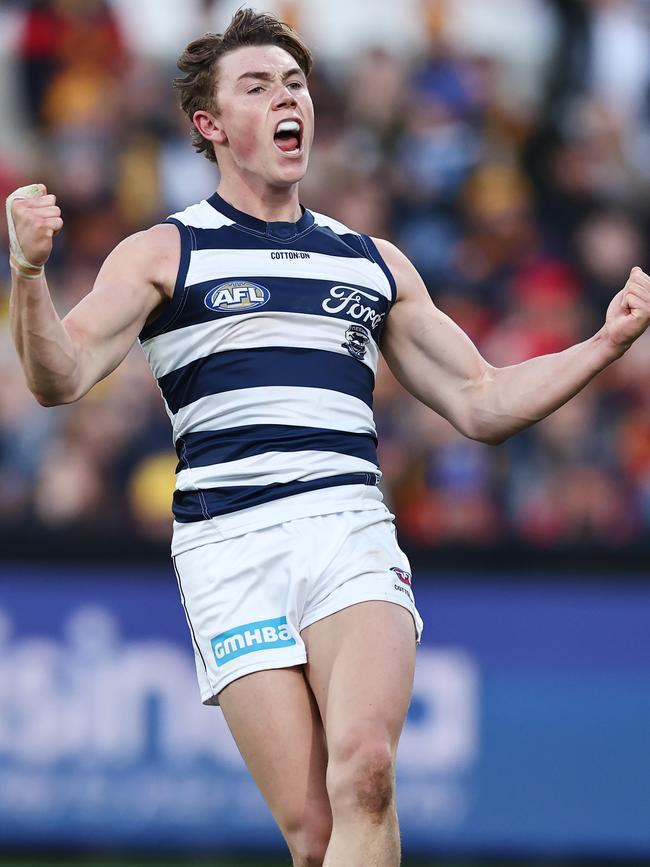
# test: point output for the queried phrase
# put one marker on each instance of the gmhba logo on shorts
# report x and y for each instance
(236, 296)
(261, 635)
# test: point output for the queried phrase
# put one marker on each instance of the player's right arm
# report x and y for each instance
(63, 359)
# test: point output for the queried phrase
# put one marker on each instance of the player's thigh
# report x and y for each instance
(276, 724)
(361, 662)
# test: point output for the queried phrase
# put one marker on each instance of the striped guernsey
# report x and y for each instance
(266, 359)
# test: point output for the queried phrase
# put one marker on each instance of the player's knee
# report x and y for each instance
(361, 777)
(308, 859)
(308, 838)
(308, 851)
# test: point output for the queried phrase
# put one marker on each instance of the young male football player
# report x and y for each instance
(263, 322)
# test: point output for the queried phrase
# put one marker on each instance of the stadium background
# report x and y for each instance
(503, 145)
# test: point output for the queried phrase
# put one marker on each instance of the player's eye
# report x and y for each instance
(296, 85)
(257, 89)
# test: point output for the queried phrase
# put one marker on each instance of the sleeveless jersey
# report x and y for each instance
(266, 359)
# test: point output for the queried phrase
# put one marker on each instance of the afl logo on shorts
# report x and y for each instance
(402, 574)
(356, 341)
(236, 296)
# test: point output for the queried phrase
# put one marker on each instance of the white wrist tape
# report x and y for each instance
(15, 249)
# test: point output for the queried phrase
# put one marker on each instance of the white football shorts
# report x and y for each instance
(247, 599)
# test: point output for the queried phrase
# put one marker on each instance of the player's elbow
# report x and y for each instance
(45, 399)
(51, 399)
(480, 431)
(476, 416)
(492, 425)
(55, 397)
(492, 438)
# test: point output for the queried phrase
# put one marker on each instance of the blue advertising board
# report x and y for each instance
(529, 729)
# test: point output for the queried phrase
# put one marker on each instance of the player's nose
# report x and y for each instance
(285, 98)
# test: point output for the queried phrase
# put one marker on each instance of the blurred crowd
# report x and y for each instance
(502, 144)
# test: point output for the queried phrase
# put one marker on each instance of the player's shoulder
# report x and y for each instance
(147, 258)
(325, 222)
(158, 240)
(408, 282)
(202, 215)
(392, 255)
(365, 244)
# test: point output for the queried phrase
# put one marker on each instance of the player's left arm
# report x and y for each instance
(438, 363)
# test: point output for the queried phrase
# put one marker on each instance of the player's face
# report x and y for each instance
(266, 114)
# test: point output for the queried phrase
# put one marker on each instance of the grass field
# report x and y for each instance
(98, 861)
(31, 860)
(212, 862)
(102, 861)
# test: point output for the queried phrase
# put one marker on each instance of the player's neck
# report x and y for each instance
(271, 204)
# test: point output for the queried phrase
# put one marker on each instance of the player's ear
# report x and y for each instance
(209, 127)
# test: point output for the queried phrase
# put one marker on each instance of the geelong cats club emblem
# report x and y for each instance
(356, 341)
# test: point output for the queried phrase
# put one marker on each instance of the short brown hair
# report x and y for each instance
(200, 58)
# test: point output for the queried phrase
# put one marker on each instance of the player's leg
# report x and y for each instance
(278, 730)
(361, 665)
(242, 599)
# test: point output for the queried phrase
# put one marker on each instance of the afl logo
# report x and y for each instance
(402, 574)
(236, 296)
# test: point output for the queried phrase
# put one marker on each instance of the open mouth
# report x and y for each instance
(288, 137)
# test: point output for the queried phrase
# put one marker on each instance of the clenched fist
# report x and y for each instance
(628, 314)
(33, 218)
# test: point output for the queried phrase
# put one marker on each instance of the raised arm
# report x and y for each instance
(63, 359)
(436, 361)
